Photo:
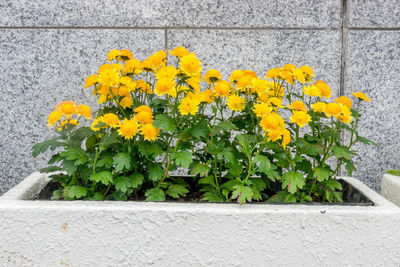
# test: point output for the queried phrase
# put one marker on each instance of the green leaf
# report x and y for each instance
(211, 196)
(165, 123)
(122, 183)
(57, 194)
(182, 158)
(105, 177)
(109, 139)
(200, 130)
(282, 197)
(155, 172)
(55, 158)
(177, 190)
(75, 153)
(245, 141)
(136, 180)
(341, 152)
(207, 180)
(199, 168)
(293, 181)
(242, 193)
(98, 196)
(266, 167)
(223, 126)
(43, 146)
(332, 184)
(82, 133)
(75, 191)
(106, 161)
(90, 142)
(122, 161)
(50, 169)
(155, 194)
(365, 141)
(230, 185)
(322, 174)
(69, 166)
(349, 167)
(394, 172)
(235, 169)
(309, 149)
(228, 155)
(147, 149)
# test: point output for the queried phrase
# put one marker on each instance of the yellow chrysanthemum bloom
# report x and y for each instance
(345, 114)
(149, 132)
(308, 73)
(188, 105)
(287, 76)
(113, 54)
(143, 108)
(285, 137)
(163, 86)
(362, 96)
(190, 65)
(133, 66)
(260, 86)
(128, 82)
(324, 88)
(274, 135)
(298, 105)
(144, 117)
(166, 72)
(262, 109)
(111, 120)
(264, 98)
(236, 75)
(319, 107)
(207, 96)
(332, 109)
(276, 102)
(345, 101)
(126, 102)
(244, 81)
(271, 122)
(301, 118)
(273, 73)
(129, 128)
(179, 52)
(54, 117)
(68, 108)
(194, 82)
(95, 124)
(222, 88)
(91, 80)
(121, 91)
(158, 58)
(312, 91)
(299, 75)
(212, 76)
(84, 110)
(108, 75)
(143, 86)
(67, 122)
(124, 55)
(235, 103)
(289, 67)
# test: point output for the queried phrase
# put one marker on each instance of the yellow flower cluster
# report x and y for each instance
(68, 113)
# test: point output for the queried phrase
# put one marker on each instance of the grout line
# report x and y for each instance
(373, 29)
(166, 39)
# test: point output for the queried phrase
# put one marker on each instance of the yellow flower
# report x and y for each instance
(179, 52)
(287, 76)
(144, 87)
(312, 91)
(222, 88)
(84, 110)
(332, 109)
(149, 132)
(299, 75)
(129, 128)
(345, 101)
(113, 54)
(319, 107)
(244, 81)
(362, 96)
(143, 108)
(108, 75)
(263, 98)
(68, 108)
(271, 122)
(154, 61)
(190, 65)
(67, 123)
(285, 138)
(262, 109)
(345, 114)
(188, 105)
(168, 72)
(274, 135)
(308, 73)
(236, 75)
(298, 105)
(91, 80)
(111, 120)
(96, 124)
(126, 102)
(207, 96)
(163, 86)
(273, 73)
(194, 82)
(324, 88)
(128, 83)
(124, 55)
(235, 103)
(54, 117)
(212, 76)
(275, 101)
(301, 118)
(144, 117)
(261, 86)
(133, 66)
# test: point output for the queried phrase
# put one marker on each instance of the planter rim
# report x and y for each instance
(22, 194)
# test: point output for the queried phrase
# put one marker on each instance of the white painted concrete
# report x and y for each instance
(391, 188)
(85, 233)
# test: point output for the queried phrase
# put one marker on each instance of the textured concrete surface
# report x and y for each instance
(40, 68)
(262, 50)
(373, 13)
(372, 66)
(391, 188)
(182, 13)
(90, 233)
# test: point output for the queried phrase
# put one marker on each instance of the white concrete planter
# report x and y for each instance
(85, 233)
(391, 188)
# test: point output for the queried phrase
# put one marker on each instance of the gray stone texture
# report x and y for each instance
(40, 68)
(177, 13)
(373, 13)
(373, 67)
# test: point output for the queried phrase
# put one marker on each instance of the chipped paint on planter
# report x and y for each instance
(108, 233)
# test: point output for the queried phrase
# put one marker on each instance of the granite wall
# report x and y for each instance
(48, 48)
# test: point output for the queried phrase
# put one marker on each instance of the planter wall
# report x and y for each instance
(391, 188)
(85, 233)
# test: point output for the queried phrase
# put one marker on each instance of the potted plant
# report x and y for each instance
(391, 186)
(240, 139)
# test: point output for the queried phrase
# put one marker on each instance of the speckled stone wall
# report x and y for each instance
(48, 48)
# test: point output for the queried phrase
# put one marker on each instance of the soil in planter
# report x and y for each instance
(351, 196)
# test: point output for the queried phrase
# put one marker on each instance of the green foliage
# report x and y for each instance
(293, 181)
(105, 177)
(394, 172)
(155, 194)
(122, 161)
